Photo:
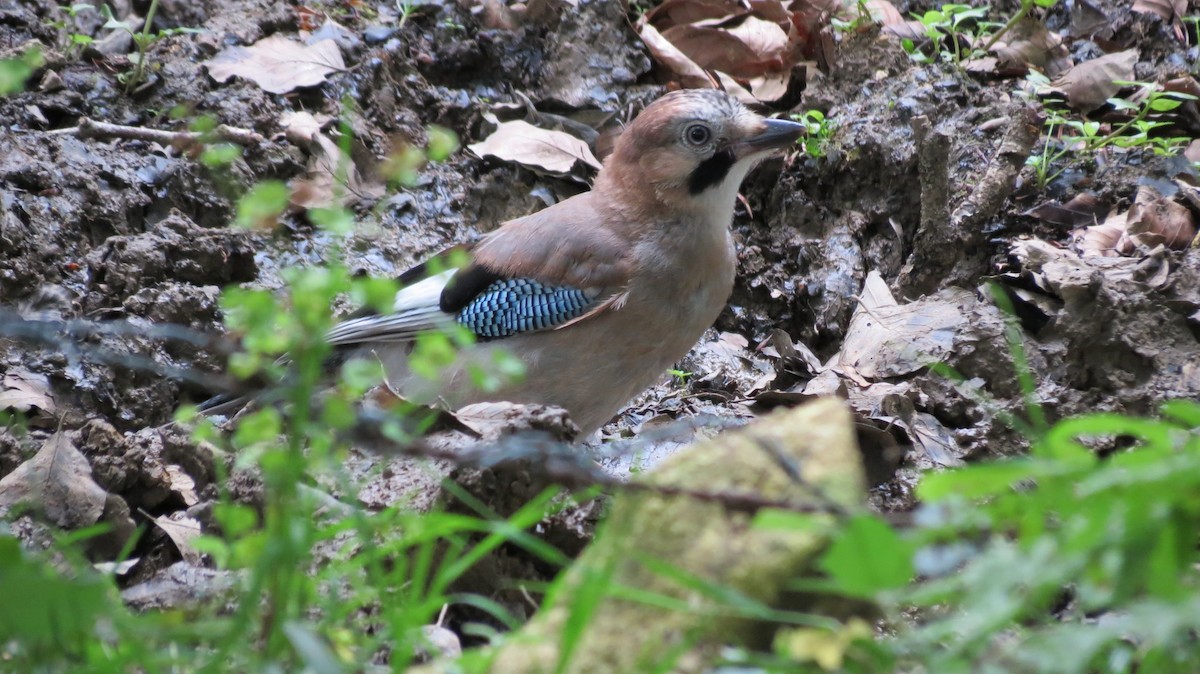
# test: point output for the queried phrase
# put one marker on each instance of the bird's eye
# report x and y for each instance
(698, 134)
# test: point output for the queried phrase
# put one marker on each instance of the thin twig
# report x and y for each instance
(89, 128)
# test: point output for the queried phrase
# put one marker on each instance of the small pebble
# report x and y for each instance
(378, 34)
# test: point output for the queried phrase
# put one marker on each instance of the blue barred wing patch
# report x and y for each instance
(512, 306)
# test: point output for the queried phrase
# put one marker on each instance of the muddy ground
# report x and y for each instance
(104, 229)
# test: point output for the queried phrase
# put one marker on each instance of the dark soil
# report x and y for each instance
(129, 230)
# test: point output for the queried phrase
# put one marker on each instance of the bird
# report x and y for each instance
(599, 294)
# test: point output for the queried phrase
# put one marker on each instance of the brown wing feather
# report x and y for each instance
(566, 244)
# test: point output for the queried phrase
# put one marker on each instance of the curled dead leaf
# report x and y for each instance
(1083, 209)
(683, 68)
(907, 30)
(754, 49)
(181, 530)
(1107, 239)
(680, 12)
(1028, 43)
(882, 12)
(1087, 19)
(716, 49)
(332, 176)
(1154, 219)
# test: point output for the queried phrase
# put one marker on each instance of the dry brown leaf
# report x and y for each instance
(887, 339)
(1087, 19)
(735, 89)
(1090, 84)
(679, 12)
(1107, 239)
(771, 10)
(278, 64)
(1183, 85)
(716, 49)
(1082, 210)
(883, 12)
(907, 30)
(766, 39)
(986, 66)
(1059, 271)
(1192, 152)
(752, 49)
(23, 391)
(685, 70)
(770, 87)
(181, 531)
(332, 176)
(1170, 11)
(1029, 44)
(1154, 219)
(58, 481)
(181, 483)
(518, 141)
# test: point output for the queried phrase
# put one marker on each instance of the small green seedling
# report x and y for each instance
(75, 41)
(818, 132)
(143, 40)
(680, 376)
(951, 30)
(861, 19)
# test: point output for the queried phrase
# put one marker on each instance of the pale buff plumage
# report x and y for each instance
(655, 249)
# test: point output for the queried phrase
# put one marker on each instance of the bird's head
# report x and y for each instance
(690, 150)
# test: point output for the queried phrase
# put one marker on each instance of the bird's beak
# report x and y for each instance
(776, 134)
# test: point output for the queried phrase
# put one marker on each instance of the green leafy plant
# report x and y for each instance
(75, 41)
(1136, 132)
(1065, 135)
(818, 132)
(952, 30)
(860, 19)
(142, 39)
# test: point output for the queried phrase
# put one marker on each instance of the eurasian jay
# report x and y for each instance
(599, 294)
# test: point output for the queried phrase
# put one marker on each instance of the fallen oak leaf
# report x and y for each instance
(1154, 219)
(518, 141)
(1107, 239)
(765, 39)
(689, 74)
(1170, 11)
(23, 391)
(883, 12)
(58, 481)
(1090, 84)
(1028, 43)
(1082, 209)
(277, 64)
(714, 49)
(182, 532)
(332, 176)
(680, 12)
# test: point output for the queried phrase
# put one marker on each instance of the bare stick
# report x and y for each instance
(89, 128)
